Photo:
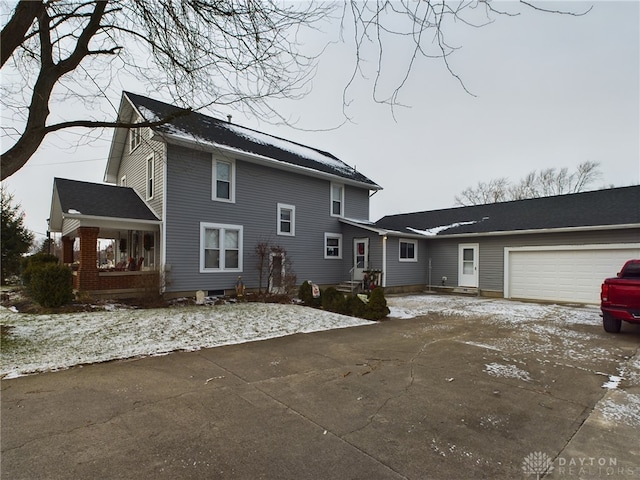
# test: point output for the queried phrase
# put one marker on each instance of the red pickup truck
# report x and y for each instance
(620, 297)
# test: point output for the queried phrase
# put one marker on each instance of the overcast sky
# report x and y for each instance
(550, 91)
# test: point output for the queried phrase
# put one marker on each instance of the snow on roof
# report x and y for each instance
(295, 148)
(430, 232)
(201, 129)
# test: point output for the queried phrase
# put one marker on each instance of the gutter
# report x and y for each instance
(255, 158)
(625, 226)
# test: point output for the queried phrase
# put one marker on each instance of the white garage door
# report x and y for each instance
(563, 273)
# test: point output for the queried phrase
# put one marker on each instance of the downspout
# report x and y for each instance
(384, 261)
(163, 225)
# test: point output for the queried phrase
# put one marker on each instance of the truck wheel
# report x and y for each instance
(610, 324)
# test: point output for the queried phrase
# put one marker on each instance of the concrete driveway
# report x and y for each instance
(445, 395)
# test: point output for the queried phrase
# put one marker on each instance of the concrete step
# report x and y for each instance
(348, 286)
(466, 290)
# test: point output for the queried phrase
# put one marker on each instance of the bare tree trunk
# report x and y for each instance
(14, 32)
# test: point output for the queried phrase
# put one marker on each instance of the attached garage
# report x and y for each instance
(564, 273)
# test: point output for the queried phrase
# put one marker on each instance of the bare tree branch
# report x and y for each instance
(544, 183)
(208, 52)
(15, 31)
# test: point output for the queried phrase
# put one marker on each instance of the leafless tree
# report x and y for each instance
(200, 52)
(494, 191)
(543, 183)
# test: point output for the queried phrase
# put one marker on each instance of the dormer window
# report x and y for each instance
(135, 138)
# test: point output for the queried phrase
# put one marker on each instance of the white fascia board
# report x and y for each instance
(540, 230)
(80, 220)
(118, 143)
(260, 159)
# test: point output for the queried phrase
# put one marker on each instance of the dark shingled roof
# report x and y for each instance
(616, 206)
(207, 129)
(100, 200)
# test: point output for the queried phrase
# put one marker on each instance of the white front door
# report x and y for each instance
(468, 265)
(360, 257)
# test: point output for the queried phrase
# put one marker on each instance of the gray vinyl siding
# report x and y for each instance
(134, 166)
(356, 203)
(444, 261)
(259, 189)
(444, 252)
(375, 249)
(406, 273)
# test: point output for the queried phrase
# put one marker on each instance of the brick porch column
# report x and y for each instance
(67, 249)
(88, 268)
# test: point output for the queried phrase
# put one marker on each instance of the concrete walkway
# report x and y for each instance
(431, 397)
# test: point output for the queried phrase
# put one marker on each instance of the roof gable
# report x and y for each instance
(73, 197)
(611, 207)
(197, 128)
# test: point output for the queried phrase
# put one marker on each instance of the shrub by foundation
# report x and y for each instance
(305, 293)
(50, 285)
(377, 308)
(34, 262)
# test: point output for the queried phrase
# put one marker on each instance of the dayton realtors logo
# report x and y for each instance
(537, 463)
(541, 464)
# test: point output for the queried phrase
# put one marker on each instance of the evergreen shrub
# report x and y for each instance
(33, 263)
(51, 285)
(377, 308)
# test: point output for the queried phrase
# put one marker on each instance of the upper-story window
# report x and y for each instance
(223, 180)
(150, 177)
(408, 250)
(286, 219)
(135, 138)
(337, 200)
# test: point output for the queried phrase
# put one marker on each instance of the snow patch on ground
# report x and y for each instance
(498, 311)
(38, 343)
(614, 381)
(507, 371)
(626, 409)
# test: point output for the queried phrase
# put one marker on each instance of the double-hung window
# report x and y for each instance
(332, 245)
(337, 200)
(135, 138)
(286, 219)
(220, 247)
(150, 177)
(223, 188)
(408, 250)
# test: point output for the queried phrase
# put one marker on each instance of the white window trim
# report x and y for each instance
(214, 180)
(222, 228)
(284, 206)
(135, 138)
(415, 250)
(340, 246)
(150, 176)
(342, 190)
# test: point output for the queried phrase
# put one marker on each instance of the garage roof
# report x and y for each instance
(600, 208)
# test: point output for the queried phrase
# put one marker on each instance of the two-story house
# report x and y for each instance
(188, 203)
(192, 199)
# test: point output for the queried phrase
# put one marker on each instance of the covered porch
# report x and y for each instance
(113, 264)
(118, 256)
